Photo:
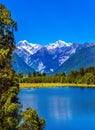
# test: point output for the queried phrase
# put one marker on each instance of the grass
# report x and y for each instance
(45, 85)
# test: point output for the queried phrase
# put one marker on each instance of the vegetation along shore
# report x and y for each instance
(81, 78)
(48, 85)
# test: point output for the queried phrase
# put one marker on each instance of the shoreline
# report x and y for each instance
(51, 85)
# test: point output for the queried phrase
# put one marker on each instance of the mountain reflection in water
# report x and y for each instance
(63, 108)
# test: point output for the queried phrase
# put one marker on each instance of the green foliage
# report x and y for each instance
(86, 76)
(9, 105)
(30, 120)
(9, 88)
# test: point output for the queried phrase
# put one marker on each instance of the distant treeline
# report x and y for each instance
(84, 75)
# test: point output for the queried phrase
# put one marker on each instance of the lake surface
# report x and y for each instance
(63, 108)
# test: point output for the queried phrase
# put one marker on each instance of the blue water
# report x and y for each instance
(63, 108)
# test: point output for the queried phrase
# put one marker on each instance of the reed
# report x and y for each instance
(48, 85)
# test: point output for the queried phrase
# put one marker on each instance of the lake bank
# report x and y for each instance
(43, 85)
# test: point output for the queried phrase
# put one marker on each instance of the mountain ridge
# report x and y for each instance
(82, 58)
(47, 58)
(20, 66)
(44, 58)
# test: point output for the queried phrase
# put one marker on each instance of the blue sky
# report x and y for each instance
(46, 21)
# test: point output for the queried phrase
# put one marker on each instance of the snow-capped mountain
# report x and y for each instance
(29, 47)
(45, 58)
(84, 57)
(58, 44)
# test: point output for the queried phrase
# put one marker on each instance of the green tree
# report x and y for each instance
(9, 88)
(9, 105)
(82, 71)
(31, 121)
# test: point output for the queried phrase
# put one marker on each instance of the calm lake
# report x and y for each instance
(63, 108)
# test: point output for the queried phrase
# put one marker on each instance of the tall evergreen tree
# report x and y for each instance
(9, 105)
(9, 88)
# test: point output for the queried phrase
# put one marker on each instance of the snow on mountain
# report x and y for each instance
(63, 59)
(33, 48)
(29, 47)
(41, 67)
(45, 58)
(58, 44)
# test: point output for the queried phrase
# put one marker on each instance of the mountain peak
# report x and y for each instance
(58, 44)
(22, 42)
(29, 47)
(62, 43)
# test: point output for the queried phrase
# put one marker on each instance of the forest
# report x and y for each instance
(82, 76)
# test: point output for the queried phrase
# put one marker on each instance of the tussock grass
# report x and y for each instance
(48, 85)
